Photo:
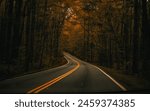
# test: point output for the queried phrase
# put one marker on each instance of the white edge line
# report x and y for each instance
(29, 74)
(112, 79)
(117, 83)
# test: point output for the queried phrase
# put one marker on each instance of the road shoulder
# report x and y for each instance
(131, 82)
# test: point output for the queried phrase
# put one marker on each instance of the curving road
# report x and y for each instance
(75, 77)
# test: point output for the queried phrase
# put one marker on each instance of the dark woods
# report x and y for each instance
(29, 35)
(115, 33)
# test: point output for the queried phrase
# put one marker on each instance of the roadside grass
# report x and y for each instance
(130, 82)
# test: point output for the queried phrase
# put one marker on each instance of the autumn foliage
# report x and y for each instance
(111, 33)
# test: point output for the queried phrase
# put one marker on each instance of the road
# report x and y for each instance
(76, 76)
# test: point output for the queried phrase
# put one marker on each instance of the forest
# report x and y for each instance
(29, 35)
(110, 33)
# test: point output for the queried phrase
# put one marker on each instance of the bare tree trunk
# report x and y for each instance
(136, 38)
(146, 39)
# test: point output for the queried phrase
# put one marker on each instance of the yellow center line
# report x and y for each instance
(51, 82)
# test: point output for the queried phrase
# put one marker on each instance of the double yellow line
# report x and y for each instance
(51, 82)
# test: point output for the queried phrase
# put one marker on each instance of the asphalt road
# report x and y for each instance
(74, 77)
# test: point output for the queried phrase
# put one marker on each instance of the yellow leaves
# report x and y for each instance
(77, 27)
(66, 33)
(72, 29)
